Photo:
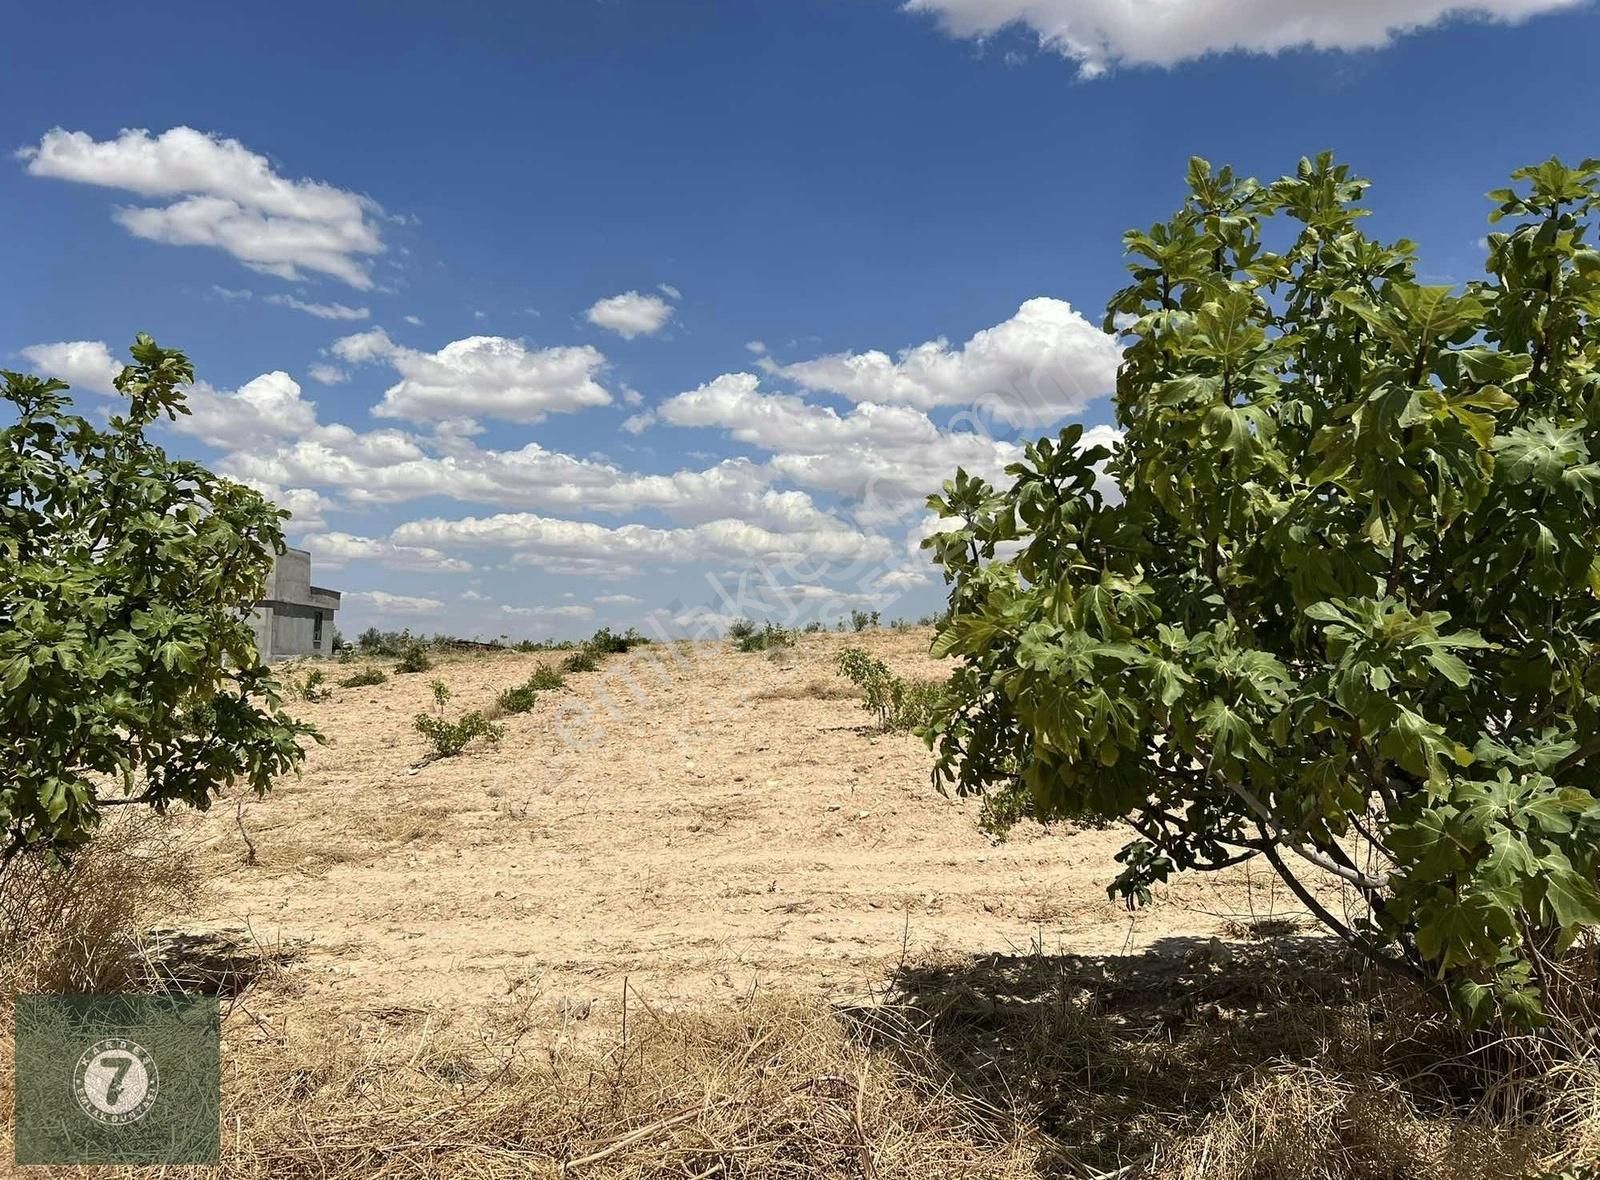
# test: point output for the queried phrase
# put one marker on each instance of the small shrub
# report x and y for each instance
(860, 620)
(519, 699)
(607, 642)
(414, 659)
(448, 738)
(898, 703)
(812, 627)
(364, 678)
(309, 685)
(373, 642)
(746, 638)
(546, 678)
(582, 660)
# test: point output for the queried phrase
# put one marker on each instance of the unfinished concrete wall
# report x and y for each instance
(295, 618)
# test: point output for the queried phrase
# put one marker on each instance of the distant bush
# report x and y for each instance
(607, 642)
(582, 660)
(527, 645)
(374, 642)
(414, 659)
(364, 678)
(747, 637)
(898, 703)
(546, 677)
(812, 627)
(448, 738)
(860, 620)
(519, 699)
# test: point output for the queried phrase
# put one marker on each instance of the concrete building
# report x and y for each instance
(294, 618)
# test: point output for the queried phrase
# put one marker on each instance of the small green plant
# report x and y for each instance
(519, 699)
(747, 637)
(309, 685)
(414, 659)
(546, 678)
(607, 642)
(448, 738)
(582, 660)
(812, 627)
(898, 703)
(364, 678)
(860, 620)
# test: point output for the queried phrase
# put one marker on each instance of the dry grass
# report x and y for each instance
(1286, 1065)
(774, 1089)
(1041, 1068)
(79, 928)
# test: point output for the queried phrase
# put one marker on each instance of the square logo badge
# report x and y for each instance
(124, 1079)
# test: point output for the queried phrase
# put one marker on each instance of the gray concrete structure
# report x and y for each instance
(294, 618)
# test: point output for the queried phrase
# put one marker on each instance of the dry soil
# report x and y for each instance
(698, 821)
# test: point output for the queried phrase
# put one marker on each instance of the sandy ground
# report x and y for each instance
(695, 820)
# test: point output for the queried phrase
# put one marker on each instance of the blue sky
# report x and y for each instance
(627, 284)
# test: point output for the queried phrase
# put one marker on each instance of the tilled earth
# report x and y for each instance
(697, 821)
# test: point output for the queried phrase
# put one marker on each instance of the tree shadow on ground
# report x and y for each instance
(212, 962)
(1109, 1061)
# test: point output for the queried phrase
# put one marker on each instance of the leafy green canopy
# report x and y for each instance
(128, 669)
(1341, 610)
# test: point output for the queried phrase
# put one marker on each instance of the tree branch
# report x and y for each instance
(1325, 916)
(1579, 756)
(1315, 856)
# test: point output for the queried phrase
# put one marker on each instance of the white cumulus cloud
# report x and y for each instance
(227, 197)
(82, 364)
(480, 376)
(1043, 363)
(572, 545)
(1101, 34)
(334, 549)
(257, 414)
(631, 314)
